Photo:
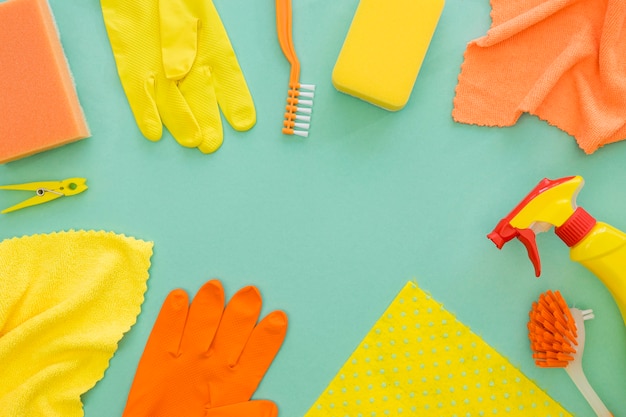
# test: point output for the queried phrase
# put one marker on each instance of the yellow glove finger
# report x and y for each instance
(179, 37)
(141, 97)
(176, 114)
(198, 89)
(137, 58)
(190, 24)
(234, 99)
(216, 51)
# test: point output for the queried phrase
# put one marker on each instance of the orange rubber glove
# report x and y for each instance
(206, 360)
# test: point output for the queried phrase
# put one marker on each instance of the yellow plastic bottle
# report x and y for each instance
(601, 248)
(603, 252)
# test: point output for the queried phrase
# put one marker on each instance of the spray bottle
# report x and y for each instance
(600, 247)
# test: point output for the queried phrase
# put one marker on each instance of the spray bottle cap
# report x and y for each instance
(576, 227)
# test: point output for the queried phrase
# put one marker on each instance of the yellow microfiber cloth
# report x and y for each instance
(66, 300)
(561, 60)
(419, 360)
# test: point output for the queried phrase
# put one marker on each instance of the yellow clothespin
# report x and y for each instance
(46, 191)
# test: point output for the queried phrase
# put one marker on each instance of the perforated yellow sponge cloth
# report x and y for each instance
(418, 359)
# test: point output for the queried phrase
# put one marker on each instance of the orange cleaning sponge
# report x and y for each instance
(39, 107)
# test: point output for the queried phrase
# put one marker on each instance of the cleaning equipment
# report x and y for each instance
(67, 300)
(418, 359)
(39, 107)
(600, 247)
(205, 359)
(300, 96)
(46, 191)
(178, 68)
(384, 50)
(557, 338)
(576, 81)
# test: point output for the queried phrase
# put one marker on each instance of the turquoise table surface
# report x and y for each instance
(330, 227)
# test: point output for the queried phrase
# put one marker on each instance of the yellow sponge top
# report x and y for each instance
(39, 107)
(384, 49)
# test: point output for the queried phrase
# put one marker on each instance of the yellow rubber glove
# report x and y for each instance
(178, 69)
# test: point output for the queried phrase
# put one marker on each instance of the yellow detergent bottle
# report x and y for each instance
(600, 247)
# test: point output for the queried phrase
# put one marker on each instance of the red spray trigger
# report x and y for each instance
(504, 232)
(527, 237)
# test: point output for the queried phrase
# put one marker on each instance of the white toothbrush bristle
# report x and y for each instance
(306, 110)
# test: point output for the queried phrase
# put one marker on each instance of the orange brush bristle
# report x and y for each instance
(299, 102)
(552, 331)
(557, 339)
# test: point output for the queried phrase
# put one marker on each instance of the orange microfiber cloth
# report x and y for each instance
(39, 107)
(561, 60)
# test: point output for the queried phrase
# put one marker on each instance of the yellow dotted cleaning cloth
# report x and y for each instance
(66, 299)
(418, 359)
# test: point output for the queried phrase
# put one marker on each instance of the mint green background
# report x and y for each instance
(330, 227)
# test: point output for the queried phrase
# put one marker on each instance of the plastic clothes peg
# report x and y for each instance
(204, 359)
(46, 191)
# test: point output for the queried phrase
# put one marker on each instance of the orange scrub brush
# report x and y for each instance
(557, 339)
(300, 96)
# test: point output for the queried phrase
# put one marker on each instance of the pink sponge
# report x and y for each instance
(39, 107)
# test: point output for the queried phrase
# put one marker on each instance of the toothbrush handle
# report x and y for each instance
(575, 371)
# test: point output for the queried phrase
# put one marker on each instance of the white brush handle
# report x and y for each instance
(575, 372)
(575, 368)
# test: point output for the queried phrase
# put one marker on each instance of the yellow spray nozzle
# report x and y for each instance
(551, 201)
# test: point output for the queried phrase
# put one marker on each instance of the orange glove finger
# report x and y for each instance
(168, 328)
(162, 342)
(204, 318)
(263, 344)
(239, 319)
(254, 408)
(243, 349)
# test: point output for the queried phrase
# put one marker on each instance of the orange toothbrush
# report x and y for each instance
(299, 102)
(557, 339)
